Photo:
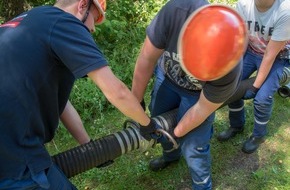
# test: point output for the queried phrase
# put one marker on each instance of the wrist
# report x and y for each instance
(143, 105)
(255, 89)
(150, 124)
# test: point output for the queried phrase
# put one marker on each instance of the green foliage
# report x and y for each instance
(35, 3)
(122, 34)
(120, 38)
(88, 100)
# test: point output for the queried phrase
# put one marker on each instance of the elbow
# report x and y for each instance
(119, 93)
(122, 92)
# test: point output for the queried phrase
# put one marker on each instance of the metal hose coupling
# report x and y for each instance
(284, 90)
(165, 134)
(167, 122)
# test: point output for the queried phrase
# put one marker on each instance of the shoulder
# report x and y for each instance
(285, 3)
(285, 6)
(48, 11)
(187, 6)
(244, 4)
(178, 10)
(48, 16)
(282, 11)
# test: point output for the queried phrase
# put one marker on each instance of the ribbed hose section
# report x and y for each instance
(96, 152)
(128, 139)
(167, 120)
(285, 79)
(100, 151)
(284, 90)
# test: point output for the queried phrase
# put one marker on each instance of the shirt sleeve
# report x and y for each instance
(282, 26)
(220, 90)
(74, 46)
(241, 8)
(157, 29)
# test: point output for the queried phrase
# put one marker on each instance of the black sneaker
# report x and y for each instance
(159, 163)
(229, 133)
(252, 144)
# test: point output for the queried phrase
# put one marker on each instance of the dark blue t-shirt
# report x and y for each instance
(164, 31)
(42, 52)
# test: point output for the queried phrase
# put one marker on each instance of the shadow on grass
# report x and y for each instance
(235, 170)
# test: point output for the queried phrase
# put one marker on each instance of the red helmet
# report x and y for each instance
(212, 41)
(101, 6)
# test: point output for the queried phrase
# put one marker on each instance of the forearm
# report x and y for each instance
(142, 74)
(144, 68)
(119, 95)
(263, 71)
(73, 123)
(195, 116)
(272, 50)
(130, 106)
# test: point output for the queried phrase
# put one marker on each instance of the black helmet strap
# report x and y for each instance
(87, 12)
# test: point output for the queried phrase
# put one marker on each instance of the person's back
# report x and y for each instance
(27, 72)
(35, 84)
(43, 52)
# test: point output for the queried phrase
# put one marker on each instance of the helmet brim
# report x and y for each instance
(101, 6)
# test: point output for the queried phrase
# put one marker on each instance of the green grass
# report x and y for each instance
(269, 167)
(266, 169)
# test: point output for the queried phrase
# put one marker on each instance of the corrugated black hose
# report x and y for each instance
(103, 151)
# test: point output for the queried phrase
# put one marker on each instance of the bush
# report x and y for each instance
(120, 38)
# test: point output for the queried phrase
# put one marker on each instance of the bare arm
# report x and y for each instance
(73, 123)
(119, 95)
(195, 115)
(272, 50)
(144, 67)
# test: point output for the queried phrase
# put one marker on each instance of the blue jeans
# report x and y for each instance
(159, 77)
(194, 146)
(263, 101)
(51, 179)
